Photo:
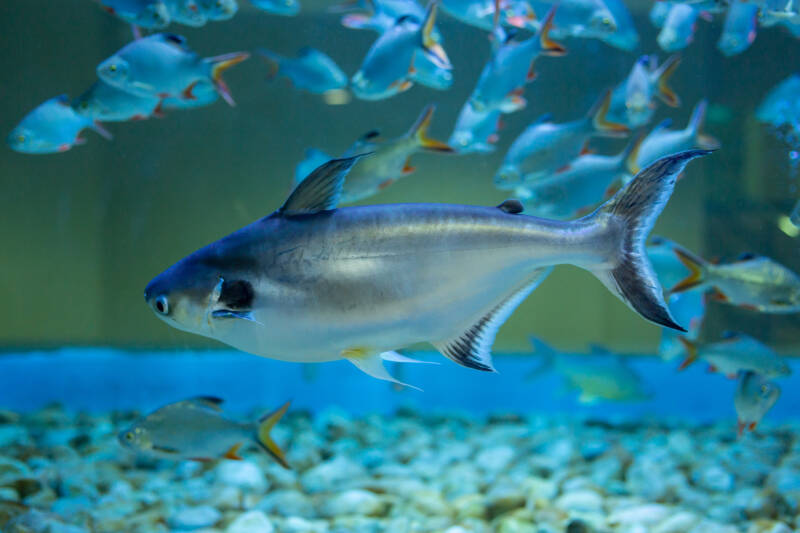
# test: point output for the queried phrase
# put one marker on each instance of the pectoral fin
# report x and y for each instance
(371, 363)
(233, 453)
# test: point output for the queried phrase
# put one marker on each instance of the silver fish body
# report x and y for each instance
(754, 396)
(310, 283)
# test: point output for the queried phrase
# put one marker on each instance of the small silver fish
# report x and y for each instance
(503, 78)
(107, 103)
(582, 185)
(663, 141)
(388, 68)
(754, 396)
(752, 282)
(313, 283)
(475, 131)
(734, 353)
(197, 429)
(679, 27)
(53, 126)
(669, 269)
(150, 14)
(740, 27)
(389, 160)
(163, 65)
(311, 70)
(633, 100)
(545, 147)
(598, 376)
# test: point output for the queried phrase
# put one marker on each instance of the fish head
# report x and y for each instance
(755, 395)
(732, 43)
(114, 71)
(461, 139)
(218, 9)
(206, 291)
(603, 21)
(508, 177)
(154, 16)
(90, 107)
(22, 139)
(135, 438)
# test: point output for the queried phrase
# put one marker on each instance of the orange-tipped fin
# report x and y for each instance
(233, 453)
(419, 131)
(740, 427)
(601, 124)
(665, 92)
(265, 425)
(550, 47)
(691, 350)
(219, 65)
(428, 42)
(696, 268)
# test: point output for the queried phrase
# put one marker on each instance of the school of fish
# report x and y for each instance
(318, 281)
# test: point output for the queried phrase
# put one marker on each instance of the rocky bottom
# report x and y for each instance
(63, 472)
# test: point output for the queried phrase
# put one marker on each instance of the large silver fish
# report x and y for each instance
(312, 283)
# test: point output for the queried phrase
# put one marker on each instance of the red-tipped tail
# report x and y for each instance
(665, 92)
(219, 65)
(419, 131)
(691, 352)
(696, 267)
(549, 46)
(602, 125)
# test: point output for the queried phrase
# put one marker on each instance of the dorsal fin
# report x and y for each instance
(746, 256)
(472, 348)
(320, 190)
(512, 206)
(208, 401)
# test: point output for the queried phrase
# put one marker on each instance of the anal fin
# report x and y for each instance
(472, 348)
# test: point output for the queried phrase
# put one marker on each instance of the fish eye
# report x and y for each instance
(129, 436)
(162, 305)
(606, 21)
(21, 139)
(112, 67)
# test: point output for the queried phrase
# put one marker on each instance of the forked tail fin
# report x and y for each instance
(633, 211)
(265, 425)
(419, 132)
(220, 64)
(602, 126)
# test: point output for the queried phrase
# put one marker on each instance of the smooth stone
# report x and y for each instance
(677, 523)
(251, 522)
(11, 435)
(295, 524)
(470, 506)
(194, 517)
(353, 502)
(587, 501)
(331, 474)
(227, 497)
(242, 474)
(495, 459)
(514, 525)
(713, 478)
(647, 514)
(288, 503)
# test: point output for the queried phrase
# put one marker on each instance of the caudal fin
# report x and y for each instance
(220, 64)
(697, 269)
(633, 211)
(273, 61)
(265, 425)
(419, 132)
(698, 118)
(433, 49)
(546, 353)
(602, 125)
(663, 74)
(550, 47)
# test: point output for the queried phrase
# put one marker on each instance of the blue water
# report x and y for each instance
(99, 380)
